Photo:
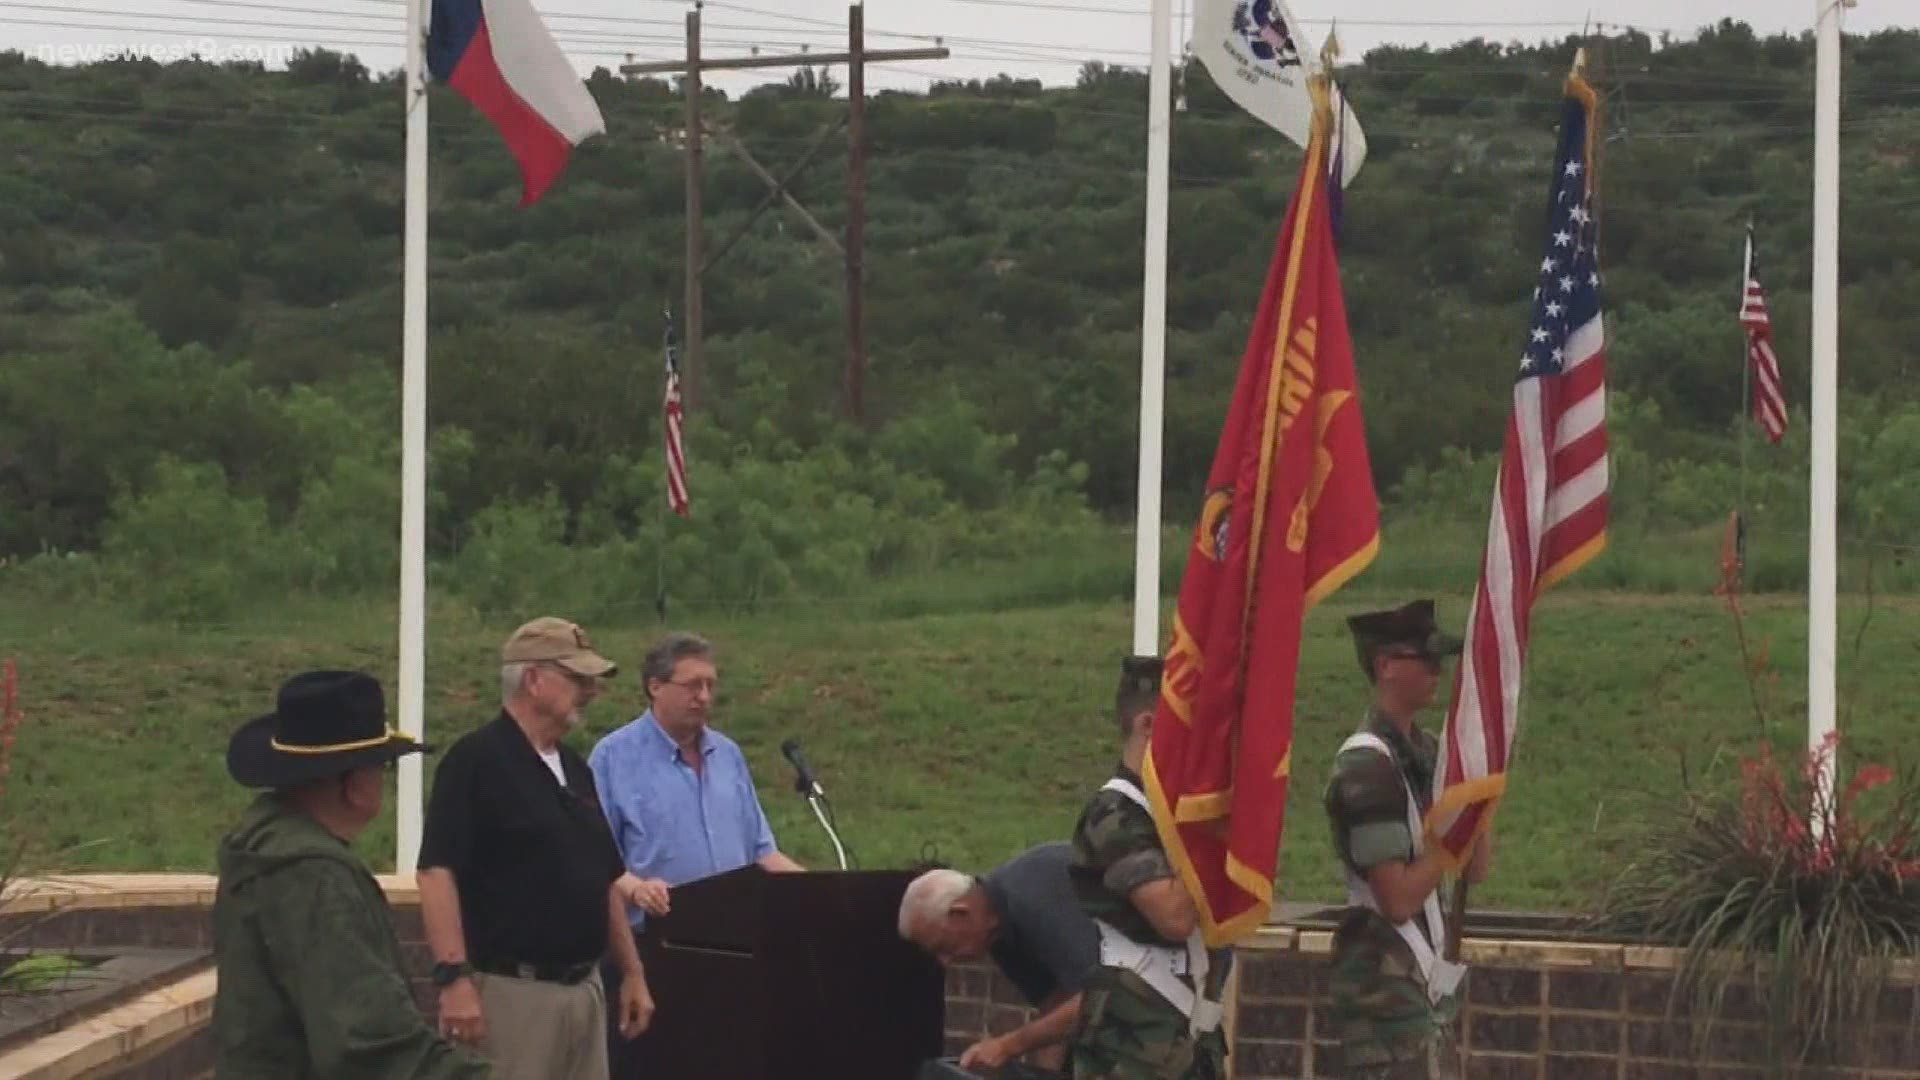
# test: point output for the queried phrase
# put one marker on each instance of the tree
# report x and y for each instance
(324, 66)
(193, 297)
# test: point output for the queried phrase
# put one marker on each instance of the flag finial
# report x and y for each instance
(1579, 63)
(1320, 87)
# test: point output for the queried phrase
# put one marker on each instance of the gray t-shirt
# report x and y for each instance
(1047, 944)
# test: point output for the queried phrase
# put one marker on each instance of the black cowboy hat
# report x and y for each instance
(1412, 625)
(324, 723)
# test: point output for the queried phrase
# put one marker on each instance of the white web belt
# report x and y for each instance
(1442, 976)
(1161, 966)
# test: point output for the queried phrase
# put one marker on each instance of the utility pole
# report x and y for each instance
(853, 251)
(856, 213)
(691, 358)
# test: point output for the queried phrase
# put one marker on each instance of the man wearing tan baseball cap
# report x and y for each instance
(557, 641)
(519, 889)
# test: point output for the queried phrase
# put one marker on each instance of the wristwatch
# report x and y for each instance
(445, 974)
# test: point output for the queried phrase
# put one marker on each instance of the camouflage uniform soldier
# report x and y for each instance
(1393, 999)
(1152, 1009)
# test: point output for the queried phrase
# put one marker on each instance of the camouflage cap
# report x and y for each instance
(1140, 673)
(556, 641)
(1411, 625)
(1139, 689)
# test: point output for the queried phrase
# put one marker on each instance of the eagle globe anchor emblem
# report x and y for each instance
(1210, 539)
(1265, 32)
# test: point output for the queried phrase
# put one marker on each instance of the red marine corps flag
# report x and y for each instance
(1290, 516)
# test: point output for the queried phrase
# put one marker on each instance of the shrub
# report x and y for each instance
(1806, 895)
(345, 536)
(515, 558)
(187, 548)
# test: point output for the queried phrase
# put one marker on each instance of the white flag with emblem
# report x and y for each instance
(1256, 52)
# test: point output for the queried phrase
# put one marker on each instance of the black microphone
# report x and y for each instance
(805, 784)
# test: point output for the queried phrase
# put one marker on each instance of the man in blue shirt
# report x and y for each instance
(676, 793)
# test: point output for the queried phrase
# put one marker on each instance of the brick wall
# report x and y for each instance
(1546, 1012)
(981, 1002)
(165, 926)
(188, 924)
(187, 1056)
(1533, 1011)
(419, 958)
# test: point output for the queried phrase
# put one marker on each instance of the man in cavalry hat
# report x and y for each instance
(312, 984)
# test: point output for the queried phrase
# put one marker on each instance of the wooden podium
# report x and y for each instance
(760, 976)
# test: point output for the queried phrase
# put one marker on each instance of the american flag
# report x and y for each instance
(675, 415)
(1769, 402)
(1549, 512)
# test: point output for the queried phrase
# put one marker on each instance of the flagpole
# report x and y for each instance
(660, 588)
(1153, 345)
(1454, 915)
(1746, 373)
(1822, 570)
(413, 445)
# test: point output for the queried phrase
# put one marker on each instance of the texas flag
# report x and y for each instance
(499, 56)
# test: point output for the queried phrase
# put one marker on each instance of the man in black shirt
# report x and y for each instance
(1022, 914)
(517, 872)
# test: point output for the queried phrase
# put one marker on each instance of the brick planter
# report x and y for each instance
(1535, 1010)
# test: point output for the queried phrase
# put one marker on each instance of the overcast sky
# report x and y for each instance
(1044, 39)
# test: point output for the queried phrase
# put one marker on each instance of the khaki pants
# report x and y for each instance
(545, 1030)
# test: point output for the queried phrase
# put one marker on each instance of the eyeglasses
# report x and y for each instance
(694, 686)
(583, 682)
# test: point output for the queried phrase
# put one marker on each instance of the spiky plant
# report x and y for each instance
(19, 976)
(1807, 895)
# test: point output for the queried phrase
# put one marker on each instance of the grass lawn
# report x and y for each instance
(963, 736)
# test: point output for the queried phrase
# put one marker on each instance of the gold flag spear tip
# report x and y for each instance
(1579, 61)
(1319, 83)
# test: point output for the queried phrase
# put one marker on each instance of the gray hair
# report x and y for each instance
(931, 896)
(668, 652)
(511, 676)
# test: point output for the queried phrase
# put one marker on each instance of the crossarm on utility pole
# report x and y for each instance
(776, 189)
(738, 63)
(851, 252)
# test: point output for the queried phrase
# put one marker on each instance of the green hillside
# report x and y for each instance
(200, 313)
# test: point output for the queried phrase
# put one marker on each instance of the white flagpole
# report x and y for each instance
(413, 445)
(1153, 345)
(1822, 539)
(1746, 412)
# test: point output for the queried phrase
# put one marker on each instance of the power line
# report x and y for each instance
(830, 29)
(358, 39)
(367, 37)
(1142, 13)
(994, 49)
(786, 38)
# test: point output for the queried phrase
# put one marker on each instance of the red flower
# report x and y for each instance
(9, 717)
(1788, 814)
